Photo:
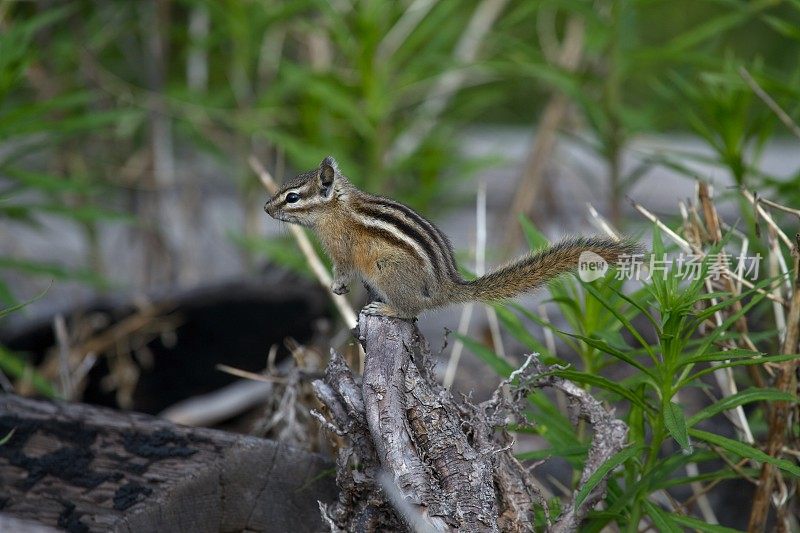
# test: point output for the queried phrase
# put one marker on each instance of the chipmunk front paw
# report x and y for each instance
(339, 287)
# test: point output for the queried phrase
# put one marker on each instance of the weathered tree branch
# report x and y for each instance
(415, 459)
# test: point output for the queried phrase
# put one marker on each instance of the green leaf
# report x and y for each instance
(700, 525)
(514, 325)
(86, 213)
(745, 450)
(784, 27)
(619, 316)
(639, 306)
(533, 317)
(48, 182)
(724, 473)
(603, 383)
(738, 362)
(722, 329)
(554, 427)
(6, 296)
(604, 346)
(725, 355)
(661, 519)
(16, 367)
(600, 474)
(8, 436)
(17, 307)
(498, 364)
(535, 238)
(740, 398)
(713, 28)
(675, 422)
(53, 270)
(576, 453)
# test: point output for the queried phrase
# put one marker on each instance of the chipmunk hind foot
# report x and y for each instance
(384, 309)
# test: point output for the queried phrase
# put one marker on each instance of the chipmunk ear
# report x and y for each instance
(328, 170)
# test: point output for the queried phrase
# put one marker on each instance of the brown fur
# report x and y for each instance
(406, 260)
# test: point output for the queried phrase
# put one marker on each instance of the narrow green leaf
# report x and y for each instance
(53, 270)
(740, 398)
(572, 452)
(512, 323)
(535, 238)
(569, 341)
(723, 328)
(607, 348)
(736, 353)
(640, 307)
(603, 383)
(613, 462)
(661, 519)
(675, 422)
(16, 367)
(700, 525)
(716, 475)
(745, 450)
(8, 436)
(48, 182)
(17, 307)
(619, 316)
(497, 363)
(738, 362)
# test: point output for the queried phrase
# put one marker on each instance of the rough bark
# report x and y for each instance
(413, 458)
(84, 468)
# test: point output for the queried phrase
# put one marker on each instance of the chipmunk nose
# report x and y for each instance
(269, 207)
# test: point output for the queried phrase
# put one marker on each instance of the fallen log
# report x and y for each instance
(84, 468)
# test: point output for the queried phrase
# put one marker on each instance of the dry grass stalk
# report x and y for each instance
(465, 52)
(540, 153)
(78, 348)
(254, 376)
(714, 229)
(770, 102)
(466, 313)
(780, 413)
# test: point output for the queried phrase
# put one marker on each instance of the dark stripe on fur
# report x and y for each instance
(434, 258)
(437, 236)
(391, 239)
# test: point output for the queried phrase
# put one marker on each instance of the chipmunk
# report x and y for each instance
(404, 258)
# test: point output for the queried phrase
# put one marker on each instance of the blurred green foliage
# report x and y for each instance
(87, 87)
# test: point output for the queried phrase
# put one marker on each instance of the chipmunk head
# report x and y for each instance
(305, 198)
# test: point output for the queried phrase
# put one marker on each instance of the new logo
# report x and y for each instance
(591, 266)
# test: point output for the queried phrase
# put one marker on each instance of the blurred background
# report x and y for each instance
(135, 256)
(132, 225)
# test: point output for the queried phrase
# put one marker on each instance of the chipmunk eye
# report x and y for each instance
(292, 197)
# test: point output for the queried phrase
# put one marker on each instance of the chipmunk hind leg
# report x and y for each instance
(401, 299)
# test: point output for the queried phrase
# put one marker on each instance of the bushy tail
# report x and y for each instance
(530, 272)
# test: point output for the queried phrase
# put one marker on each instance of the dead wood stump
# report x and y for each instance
(83, 468)
(412, 458)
